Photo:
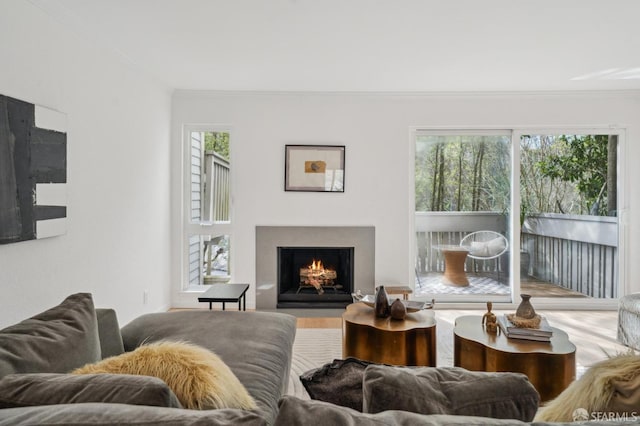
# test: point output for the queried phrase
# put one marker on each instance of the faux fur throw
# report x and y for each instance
(198, 377)
(610, 386)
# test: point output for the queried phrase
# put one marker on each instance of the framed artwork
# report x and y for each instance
(314, 168)
(33, 171)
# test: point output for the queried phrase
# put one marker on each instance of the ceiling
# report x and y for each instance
(368, 45)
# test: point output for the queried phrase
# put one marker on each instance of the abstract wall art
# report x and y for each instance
(33, 171)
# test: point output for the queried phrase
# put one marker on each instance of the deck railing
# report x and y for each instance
(575, 252)
(435, 229)
(216, 188)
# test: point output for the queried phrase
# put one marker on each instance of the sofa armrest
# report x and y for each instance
(109, 333)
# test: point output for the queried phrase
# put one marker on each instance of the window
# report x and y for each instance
(462, 200)
(208, 217)
(565, 227)
(568, 215)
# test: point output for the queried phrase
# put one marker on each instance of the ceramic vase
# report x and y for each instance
(398, 310)
(525, 309)
(381, 305)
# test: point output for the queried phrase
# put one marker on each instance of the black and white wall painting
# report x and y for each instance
(33, 171)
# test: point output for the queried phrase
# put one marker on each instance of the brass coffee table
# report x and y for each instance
(411, 341)
(551, 367)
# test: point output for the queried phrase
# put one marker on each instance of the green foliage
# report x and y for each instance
(582, 160)
(558, 174)
(462, 173)
(217, 142)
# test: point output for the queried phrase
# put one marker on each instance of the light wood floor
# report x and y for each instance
(592, 332)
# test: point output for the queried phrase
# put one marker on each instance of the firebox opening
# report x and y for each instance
(315, 277)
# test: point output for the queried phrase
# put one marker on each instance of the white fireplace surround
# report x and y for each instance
(269, 238)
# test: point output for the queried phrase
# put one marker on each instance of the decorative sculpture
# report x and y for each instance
(398, 310)
(489, 320)
(525, 309)
(381, 307)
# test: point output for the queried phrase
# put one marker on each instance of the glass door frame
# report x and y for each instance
(514, 223)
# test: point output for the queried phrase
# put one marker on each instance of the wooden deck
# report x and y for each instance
(490, 283)
(538, 288)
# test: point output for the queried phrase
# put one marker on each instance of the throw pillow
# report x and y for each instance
(296, 412)
(487, 248)
(453, 390)
(22, 390)
(198, 377)
(479, 248)
(609, 386)
(55, 341)
(338, 382)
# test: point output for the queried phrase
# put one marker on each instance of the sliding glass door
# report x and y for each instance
(462, 210)
(499, 213)
(569, 215)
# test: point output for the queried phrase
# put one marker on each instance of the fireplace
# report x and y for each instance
(270, 238)
(315, 277)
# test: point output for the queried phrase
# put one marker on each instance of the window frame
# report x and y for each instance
(190, 227)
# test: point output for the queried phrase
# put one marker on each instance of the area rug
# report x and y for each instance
(432, 284)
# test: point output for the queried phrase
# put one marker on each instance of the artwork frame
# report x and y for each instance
(314, 168)
(33, 171)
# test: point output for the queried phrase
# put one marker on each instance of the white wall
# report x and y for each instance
(117, 243)
(376, 131)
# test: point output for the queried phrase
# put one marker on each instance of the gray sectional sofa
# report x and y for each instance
(37, 355)
(256, 346)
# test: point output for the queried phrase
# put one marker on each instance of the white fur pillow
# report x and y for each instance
(198, 377)
(607, 386)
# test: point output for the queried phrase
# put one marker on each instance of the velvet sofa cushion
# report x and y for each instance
(256, 346)
(55, 341)
(452, 390)
(338, 382)
(296, 412)
(95, 413)
(109, 333)
(20, 390)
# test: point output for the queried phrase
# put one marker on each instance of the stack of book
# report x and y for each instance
(541, 334)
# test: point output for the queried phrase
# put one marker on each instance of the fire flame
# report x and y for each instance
(316, 265)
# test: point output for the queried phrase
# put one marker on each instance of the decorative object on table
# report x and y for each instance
(33, 177)
(541, 332)
(381, 307)
(411, 305)
(398, 310)
(314, 168)
(525, 309)
(489, 320)
(525, 323)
